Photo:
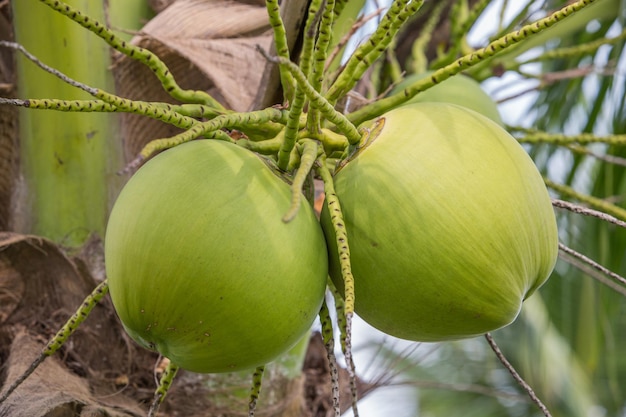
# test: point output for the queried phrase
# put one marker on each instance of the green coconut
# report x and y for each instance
(449, 224)
(458, 89)
(200, 266)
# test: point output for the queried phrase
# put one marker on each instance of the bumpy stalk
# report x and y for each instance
(341, 236)
(381, 106)
(137, 53)
(255, 391)
(316, 75)
(342, 323)
(164, 385)
(100, 106)
(329, 344)
(62, 335)
(155, 111)
(594, 202)
(282, 47)
(318, 101)
(535, 136)
(309, 150)
(211, 126)
(371, 50)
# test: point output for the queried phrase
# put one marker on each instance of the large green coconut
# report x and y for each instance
(449, 224)
(201, 267)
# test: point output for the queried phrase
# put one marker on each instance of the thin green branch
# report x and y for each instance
(577, 50)
(309, 150)
(255, 390)
(372, 49)
(381, 106)
(212, 126)
(317, 100)
(155, 111)
(316, 76)
(61, 336)
(343, 249)
(299, 99)
(137, 53)
(282, 47)
(592, 201)
(164, 385)
(533, 136)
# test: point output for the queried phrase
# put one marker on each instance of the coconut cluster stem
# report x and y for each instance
(164, 385)
(255, 390)
(212, 126)
(309, 150)
(372, 49)
(341, 237)
(62, 335)
(329, 344)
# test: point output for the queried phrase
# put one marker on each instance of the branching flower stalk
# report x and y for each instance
(373, 48)
(316, 75)
(420, 62)
(343, 248)
(212, 126)
(379, 107)
(595, 265)
(317, 100)
(297, 106)
(137, 53)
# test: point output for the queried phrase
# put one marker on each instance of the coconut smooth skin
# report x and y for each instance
(200, 266)
(449, 223)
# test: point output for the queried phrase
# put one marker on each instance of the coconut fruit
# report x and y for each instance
(200, 266)
(449, 224)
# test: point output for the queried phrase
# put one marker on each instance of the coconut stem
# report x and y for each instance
(507, 41)
(164, 385)
(309, 152)
(317, 100)
(370, 51)
(62, 335)
(255, 391)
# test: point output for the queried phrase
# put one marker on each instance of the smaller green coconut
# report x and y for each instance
(458, 89)
(200, 266)
(449, 223)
